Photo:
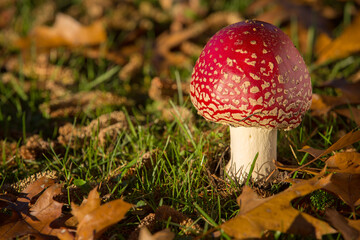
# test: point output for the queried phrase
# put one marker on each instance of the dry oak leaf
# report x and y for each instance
(165, 234)
(346, 44)
(275, 213)
(87, 206)
(36, 219)
(351, 113)
(344, 162)
(95, 218)
(350, 91)
(45, 211)
(346, 186)
(346, 140)
(348, 228)
(65, 32)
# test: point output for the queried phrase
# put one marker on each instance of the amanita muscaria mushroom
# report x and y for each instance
(250, 76)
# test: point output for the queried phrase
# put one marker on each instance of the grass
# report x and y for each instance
(182, 160)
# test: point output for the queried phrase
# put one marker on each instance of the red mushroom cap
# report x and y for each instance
(251, 74)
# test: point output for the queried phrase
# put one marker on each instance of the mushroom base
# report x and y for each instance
(246, 142)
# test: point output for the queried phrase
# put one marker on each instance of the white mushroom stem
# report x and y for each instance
(246, 142)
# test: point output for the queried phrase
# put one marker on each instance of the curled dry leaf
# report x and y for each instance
(351, 113)
(322, 104)
(165, 234)
(66, 31)
(346, 44)
(344, 162)
(348, 228)
(39, 218)
(73, 105)
(45, 211)
(276, 213)
(346, 186)
(312, 151)
(107, 127)
(350, 91)
(346, 140)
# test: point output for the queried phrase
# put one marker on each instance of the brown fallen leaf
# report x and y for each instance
(165, 234)
(12, 227)
(351, 113)
(348, 139)
(279, 11)
(346, 44)
(346, 186)
(343, 225)
(66, 31)
(96, 221)
(350, 91)
(321, 42)
(87, 206)
(312, 151)
(38, 218)
(322, 104)
(344, 162)
(45, 212)
(276, 213)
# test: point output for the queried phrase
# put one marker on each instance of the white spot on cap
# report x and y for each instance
(254, 90)
(281, 79)
(267, 95)
(247, 61)
(253, 76)
(241, 51)
(271, 66)
(278, 59)
(265, 85)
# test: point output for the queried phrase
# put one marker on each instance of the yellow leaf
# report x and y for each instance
(346, 44)
(95, 222)
(276, 213)
(65, 32)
